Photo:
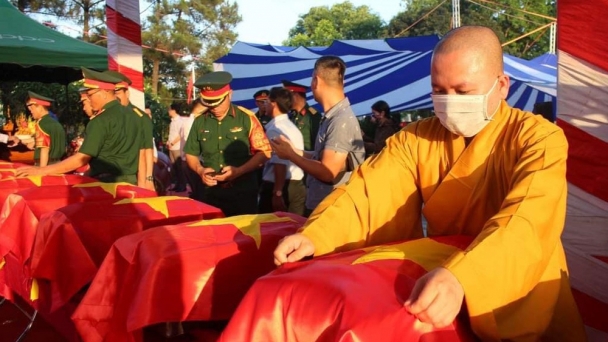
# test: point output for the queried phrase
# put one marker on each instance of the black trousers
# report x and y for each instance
(196, 184)
(236, 200)
(294, 195)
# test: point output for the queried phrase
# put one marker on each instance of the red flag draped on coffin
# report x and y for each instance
(71, 242)
(11, 185)
(197, 271)
(22, 210)
(351, 296)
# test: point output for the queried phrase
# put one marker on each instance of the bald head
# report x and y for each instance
(478, 41)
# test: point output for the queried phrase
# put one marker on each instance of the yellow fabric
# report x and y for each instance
(425, 252)
(34, 291)
(247, 224)
(157, 203)
(110, 188)
(507, 188)
(2, 262)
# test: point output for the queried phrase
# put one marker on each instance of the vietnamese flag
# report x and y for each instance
(10, 185)
(350, 296)
(197, 271)
(22, 210)
(71, 242)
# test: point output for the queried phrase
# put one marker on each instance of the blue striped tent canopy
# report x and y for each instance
(396, 70)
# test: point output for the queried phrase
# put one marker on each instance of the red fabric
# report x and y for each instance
(215, 94)
(135, 76)
(71, 242)
(176, 273)
(10, 185)
(587, 161)
(190, 88)
(593, 311)
(332, 299)
(123, 26)
(574, 18)
(22, 210)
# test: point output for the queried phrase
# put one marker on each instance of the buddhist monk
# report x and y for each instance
(478, 168)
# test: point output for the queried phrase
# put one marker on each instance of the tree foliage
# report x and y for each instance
(323, 24)
(177, 28)
(504, 19)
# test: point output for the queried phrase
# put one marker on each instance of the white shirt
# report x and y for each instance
(185, 131)
(281, 125)
(174, 129)
(3, 138)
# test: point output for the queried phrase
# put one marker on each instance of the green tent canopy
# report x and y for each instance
(30, 51)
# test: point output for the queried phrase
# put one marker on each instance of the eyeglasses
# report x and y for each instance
(93, 93)
(215, 105)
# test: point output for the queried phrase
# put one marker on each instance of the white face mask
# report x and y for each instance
(465, 115)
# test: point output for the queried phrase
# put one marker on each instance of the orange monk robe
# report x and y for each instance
(507, 188)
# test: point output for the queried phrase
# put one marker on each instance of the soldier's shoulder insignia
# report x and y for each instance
(236, 129)
(246, 111)
(313, 111)
(138, 112)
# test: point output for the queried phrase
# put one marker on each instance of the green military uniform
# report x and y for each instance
(262, 95)
(49, 132)
(231, 141)
(307, 120)
(147, 127)
(113, 139)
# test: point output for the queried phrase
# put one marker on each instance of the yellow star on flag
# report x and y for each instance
(247, 224)
(426, 252)
(2, 262)
(157, 203)
(110, 188)
(36, 180)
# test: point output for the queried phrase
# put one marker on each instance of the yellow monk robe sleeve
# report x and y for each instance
(517, 246)
(379, 204)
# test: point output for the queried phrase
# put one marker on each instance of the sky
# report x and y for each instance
(265, 21)
(269, 21)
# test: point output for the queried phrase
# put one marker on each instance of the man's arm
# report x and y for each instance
(149, 157)
(70, 164)
(141, 169)
(368, 213)
(44, 156)
(325, 170)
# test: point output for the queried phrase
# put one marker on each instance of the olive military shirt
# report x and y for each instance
(147, 126)
(229, 142)
(112, 141)
(50, 134)
(307, 120)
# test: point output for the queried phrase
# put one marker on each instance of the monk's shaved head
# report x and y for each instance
(478, 40)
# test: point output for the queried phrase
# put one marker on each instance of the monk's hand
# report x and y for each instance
(208, 176)
(282, 147)
(436, 298)
(293, 248)
(28, 171)
(227, 173)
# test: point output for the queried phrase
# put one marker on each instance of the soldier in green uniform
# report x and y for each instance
(50, 145)
(232, 144)
(260, 98)
(109, 147)
(142, 124)
(306, 118)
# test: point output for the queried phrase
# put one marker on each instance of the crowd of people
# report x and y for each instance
(479, 168)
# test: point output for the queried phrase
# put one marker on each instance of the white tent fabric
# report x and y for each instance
(396, 70)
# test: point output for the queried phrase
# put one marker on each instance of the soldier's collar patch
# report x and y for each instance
(236, 129)
(303, 111)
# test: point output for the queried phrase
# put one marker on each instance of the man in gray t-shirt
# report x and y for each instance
(339, 146)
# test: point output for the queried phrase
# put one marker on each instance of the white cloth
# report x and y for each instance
(185, 131)
(281, 125)
(3, 138)
(174, 132)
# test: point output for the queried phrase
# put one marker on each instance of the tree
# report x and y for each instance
(322, 25)
(504, 19)
(202, 28)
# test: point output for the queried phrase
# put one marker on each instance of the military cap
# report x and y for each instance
(297, 88)
(124, 83)
(214, 87)
(39, 99)
(99, 80)
(261, 95)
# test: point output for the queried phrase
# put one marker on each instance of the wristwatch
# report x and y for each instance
(278, 193)
(150, 179)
